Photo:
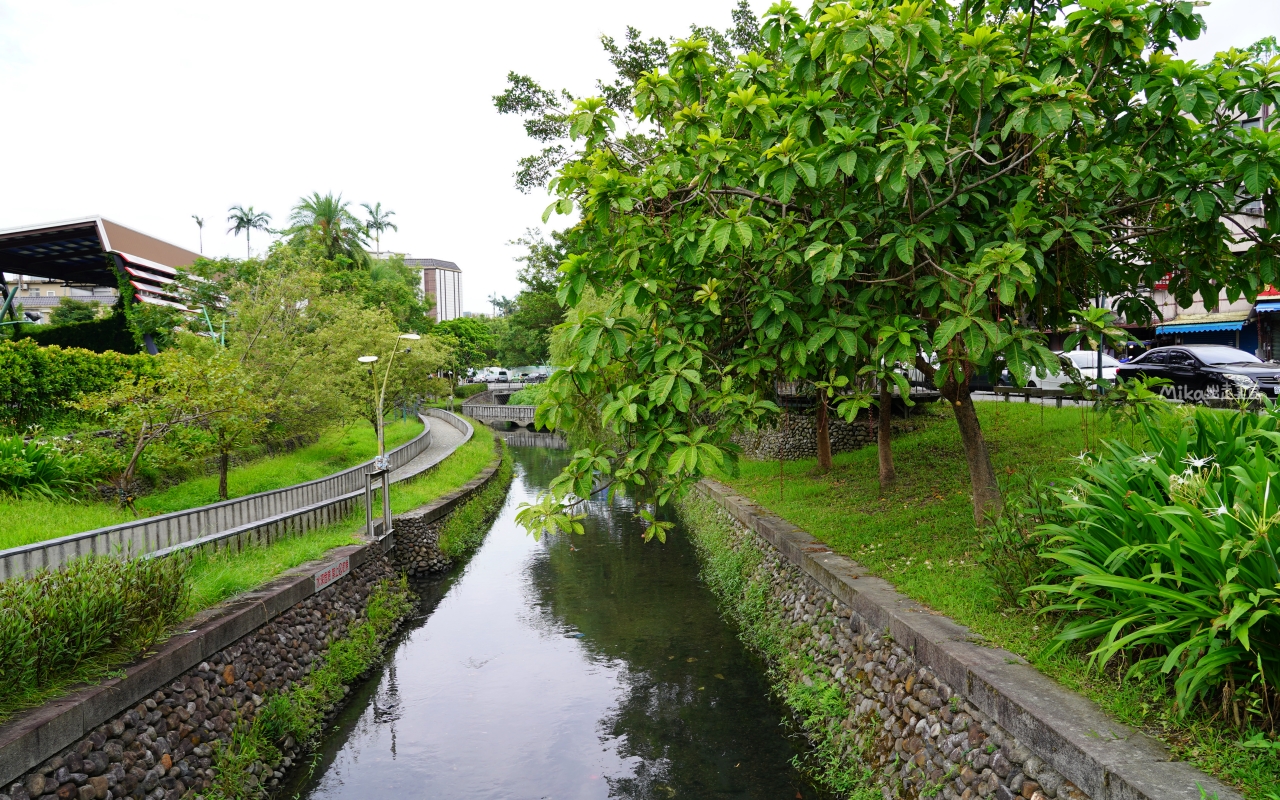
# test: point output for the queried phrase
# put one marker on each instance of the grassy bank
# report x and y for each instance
(920, 536)
(215, 577)
(27, 520)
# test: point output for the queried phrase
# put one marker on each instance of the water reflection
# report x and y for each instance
(590, 668)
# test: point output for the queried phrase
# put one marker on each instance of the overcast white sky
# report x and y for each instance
(149, 112)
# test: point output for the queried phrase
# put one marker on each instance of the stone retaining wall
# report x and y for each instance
(160, 747)
(946, 716)
(417, 532)
(796, 436)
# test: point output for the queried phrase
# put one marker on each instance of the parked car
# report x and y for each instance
(1084, 360)
(1201, 371)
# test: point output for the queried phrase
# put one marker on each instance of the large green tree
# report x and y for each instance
(247, 220)
(887, 181)
(326, 221)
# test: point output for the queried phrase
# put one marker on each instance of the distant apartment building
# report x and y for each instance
(442, 281)
(38, 297)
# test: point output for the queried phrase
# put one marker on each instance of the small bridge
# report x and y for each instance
(518, 415)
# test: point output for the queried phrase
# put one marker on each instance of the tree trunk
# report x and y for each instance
(987, 501)
(824, 433)
(884, 438)
(223, 460)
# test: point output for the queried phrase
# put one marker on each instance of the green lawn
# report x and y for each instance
(219, 576)
(23, 521)
(921, 537)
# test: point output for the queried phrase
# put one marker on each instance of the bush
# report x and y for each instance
(32, 468)
(52, 622)
(466, 390)
(529, 395)
(111, 333)
(42, 381)
(1165, 557)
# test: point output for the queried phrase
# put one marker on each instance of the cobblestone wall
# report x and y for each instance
(161, 748)
(796, 436)
(918, 734)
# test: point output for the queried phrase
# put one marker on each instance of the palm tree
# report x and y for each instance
(247, 220)
(327, 220)
(200, 225)
(379, 222)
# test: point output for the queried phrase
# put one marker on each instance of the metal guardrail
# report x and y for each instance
(168, 531)
(512, 413)
(503, 386)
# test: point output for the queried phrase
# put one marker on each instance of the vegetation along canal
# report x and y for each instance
(590, 667)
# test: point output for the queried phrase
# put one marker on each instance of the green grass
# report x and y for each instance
(920, 536)
(218, 576)
(466, 528)
(23, 520)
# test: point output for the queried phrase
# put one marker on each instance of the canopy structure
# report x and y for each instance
(1267, 308)
(94, 251)
(1199, 323)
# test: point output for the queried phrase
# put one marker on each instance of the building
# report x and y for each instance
(38, 297)
(86, 258)
(441, 281)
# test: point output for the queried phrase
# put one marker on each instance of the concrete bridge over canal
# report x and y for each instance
(521, 416)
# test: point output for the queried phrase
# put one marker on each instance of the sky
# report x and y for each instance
(149, 112)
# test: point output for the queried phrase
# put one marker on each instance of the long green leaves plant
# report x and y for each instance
(1166, 558)
(35, 469)
(55, 621)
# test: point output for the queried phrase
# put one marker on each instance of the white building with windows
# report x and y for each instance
(442, 281)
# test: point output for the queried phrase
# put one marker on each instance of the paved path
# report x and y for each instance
(444, 440)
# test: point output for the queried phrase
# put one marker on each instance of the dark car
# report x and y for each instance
(1199, 372)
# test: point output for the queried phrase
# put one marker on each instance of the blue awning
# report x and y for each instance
(1264, 308)
(1200, 327)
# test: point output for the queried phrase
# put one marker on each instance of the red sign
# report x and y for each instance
(332, 573)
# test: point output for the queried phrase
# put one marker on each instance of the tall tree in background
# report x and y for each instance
(378, 222)
(979, 170)
(534, 312)
(200, 230)
(247, 220)
(327, 221)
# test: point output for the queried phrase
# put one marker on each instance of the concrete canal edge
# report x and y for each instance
(1022, 713)
(271, 634)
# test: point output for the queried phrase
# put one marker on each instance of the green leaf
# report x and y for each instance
(905, 247)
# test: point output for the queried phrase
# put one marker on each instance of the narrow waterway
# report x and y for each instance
(590, 667)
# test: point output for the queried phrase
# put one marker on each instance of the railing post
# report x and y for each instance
(386, 502)
(368, 505)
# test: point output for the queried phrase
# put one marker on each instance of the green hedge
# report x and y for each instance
(468, 389)
(39, 381)
(111, 333)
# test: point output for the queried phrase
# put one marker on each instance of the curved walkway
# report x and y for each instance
(260, 517)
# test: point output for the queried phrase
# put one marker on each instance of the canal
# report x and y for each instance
(588, 667)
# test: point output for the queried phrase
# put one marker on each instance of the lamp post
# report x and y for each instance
(381, 465)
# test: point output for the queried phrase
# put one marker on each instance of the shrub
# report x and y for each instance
(52, 622)
(110, 333)
(466, 390)
(33, 468)
(1165, 557)
(529, 395)
(465, 529)
(41, 381)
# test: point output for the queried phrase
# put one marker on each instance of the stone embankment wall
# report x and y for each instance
(796, 436)
(417, 551)
(160, 748)
(931, 712)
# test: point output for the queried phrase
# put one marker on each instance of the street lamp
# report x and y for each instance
(381, 395)
(381, 464)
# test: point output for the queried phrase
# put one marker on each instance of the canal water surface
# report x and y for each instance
(595, 666)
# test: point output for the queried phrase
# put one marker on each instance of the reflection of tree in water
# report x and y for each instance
(695, 709)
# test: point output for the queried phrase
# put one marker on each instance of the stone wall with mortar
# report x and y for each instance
(160, 747)
(417, 532)
(947, 716)
(796, 436)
